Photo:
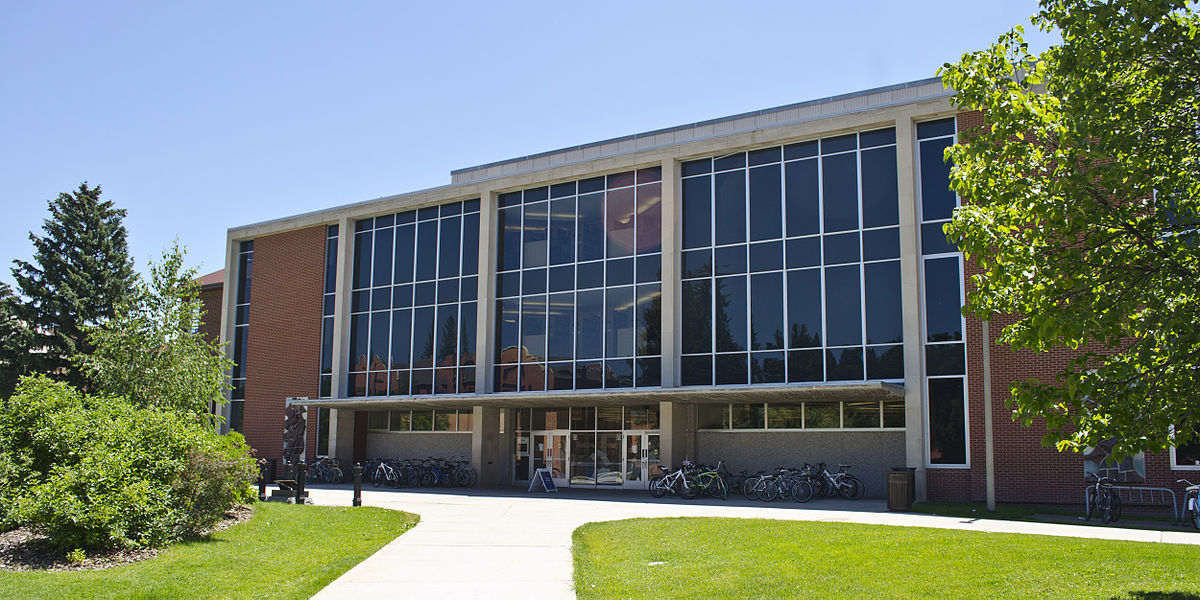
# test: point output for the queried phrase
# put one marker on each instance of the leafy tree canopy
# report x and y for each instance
(81, 269)
(152, 351)
(1082, 203)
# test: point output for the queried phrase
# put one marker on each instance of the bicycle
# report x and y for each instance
(675, 483)
(840, 482)
(709, 480)
(1191, 501)
(1104, 500)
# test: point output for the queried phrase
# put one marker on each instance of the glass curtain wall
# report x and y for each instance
(945, 352)
(325, 389)
(241, 332)
(413, 313)
(790, 264)
(579, 284)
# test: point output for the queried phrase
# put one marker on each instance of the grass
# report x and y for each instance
(284, 551)
(760, 558)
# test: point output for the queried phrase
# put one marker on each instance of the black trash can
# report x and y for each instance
(901, 488)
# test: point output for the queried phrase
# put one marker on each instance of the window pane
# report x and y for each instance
(591, 227)
(562, 278)
(620, 272)
(730, 319)
(803, 198)
(840, 184)
(447, 335)
(441, 420)
(730, 260)
(766, 311)
(649, 268)
(400, 420)
(934, 240)
(944, 359)
(560, 327)
(589, 375)
(947, 425)
(885, 320)
(618, 373)
(842, 248)
(697, 317)
(822, 415)
(649, 372)
(560, 376)
(362, 264)
(402, 271)
(893, 413)
(422, 420)
(536, 226)
(359, 332)
(619, 329)
(696, 370)
(509, 251)
(470, 245)
(649, 320)
(427, 250)
(583, 417)
(381, 323)
(880, 198)
(842, 306)
(423, 336)
(562, 231)
(804, 252)
(731, 369)
(785, 416)
(806, 365)
(881, 243)
(730, 207)
(804, 308)
(712, 416)
(589, 324)
(748, 416)
(697, 212)
(862, 414)
(508, 316)
(937, 201)
(767, 367)
(619, 222)
(649, 218)
(609, 417)
(377, 419)
(885, 362)
(697, 263)
(943, 303)
(844, 364)
(766, 256)
(533, 328)
(382, 268)
(766, 220)
(450, 241)
(401, 338)
(590, 275)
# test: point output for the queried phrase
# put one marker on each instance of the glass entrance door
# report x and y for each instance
(641, 453)
(550, 452)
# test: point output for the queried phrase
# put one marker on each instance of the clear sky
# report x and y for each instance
(200, 116)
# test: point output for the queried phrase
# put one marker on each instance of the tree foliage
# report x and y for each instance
(81, 269)
(1082, 203)
(152, 351)
(16, 339)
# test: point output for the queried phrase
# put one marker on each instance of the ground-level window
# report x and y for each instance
(420, 420)
(858, 414)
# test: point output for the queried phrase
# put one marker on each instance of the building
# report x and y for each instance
(765, 289)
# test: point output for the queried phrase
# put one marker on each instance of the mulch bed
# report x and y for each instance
(23, 550)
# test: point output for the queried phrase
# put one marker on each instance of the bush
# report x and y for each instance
(98, 472)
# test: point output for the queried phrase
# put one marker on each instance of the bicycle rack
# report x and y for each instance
(1146, 496)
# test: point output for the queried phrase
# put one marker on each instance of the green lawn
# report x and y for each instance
(760, 558)
(284, 551)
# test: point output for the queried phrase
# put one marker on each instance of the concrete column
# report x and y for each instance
(910, 298)
(485, 445)
(228, 315)
(486, 305)
(341, 422)
(508, 442)
(672, 236)
(678, 438)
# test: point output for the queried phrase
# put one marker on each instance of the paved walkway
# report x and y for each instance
(509, 544)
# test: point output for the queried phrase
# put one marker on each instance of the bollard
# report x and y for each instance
(301, 473)
(357, 484)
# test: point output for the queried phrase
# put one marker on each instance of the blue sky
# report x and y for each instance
(198, 117)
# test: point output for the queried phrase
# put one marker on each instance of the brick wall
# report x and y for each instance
(283, 350)
(210, 323)
(1026, 471)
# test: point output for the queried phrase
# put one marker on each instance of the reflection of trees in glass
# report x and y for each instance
(697, 318)
(449, 336)
(801, 338)
(723, 319)
(651, 326)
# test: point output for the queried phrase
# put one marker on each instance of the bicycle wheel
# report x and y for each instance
(768, 491)
(748, 488)
(802, 490)
(718, 489)
(1105, 506)
(690, 488)
(852, 488)
(336, 475)
(1195, 509)
(658, 488)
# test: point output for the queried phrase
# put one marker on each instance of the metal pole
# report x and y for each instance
(989, 458)
(357, 484)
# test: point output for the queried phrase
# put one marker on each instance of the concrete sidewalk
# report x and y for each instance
(510, 544)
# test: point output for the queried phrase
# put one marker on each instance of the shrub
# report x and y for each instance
(98, 472)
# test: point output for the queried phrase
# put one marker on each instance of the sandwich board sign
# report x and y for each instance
(543, 476)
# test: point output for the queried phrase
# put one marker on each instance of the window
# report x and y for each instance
(405, 421)
(858, 414)
(790, 264)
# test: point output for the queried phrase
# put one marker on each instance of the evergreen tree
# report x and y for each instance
(81, 271)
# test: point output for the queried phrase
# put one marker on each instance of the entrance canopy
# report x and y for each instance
(858, 390)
